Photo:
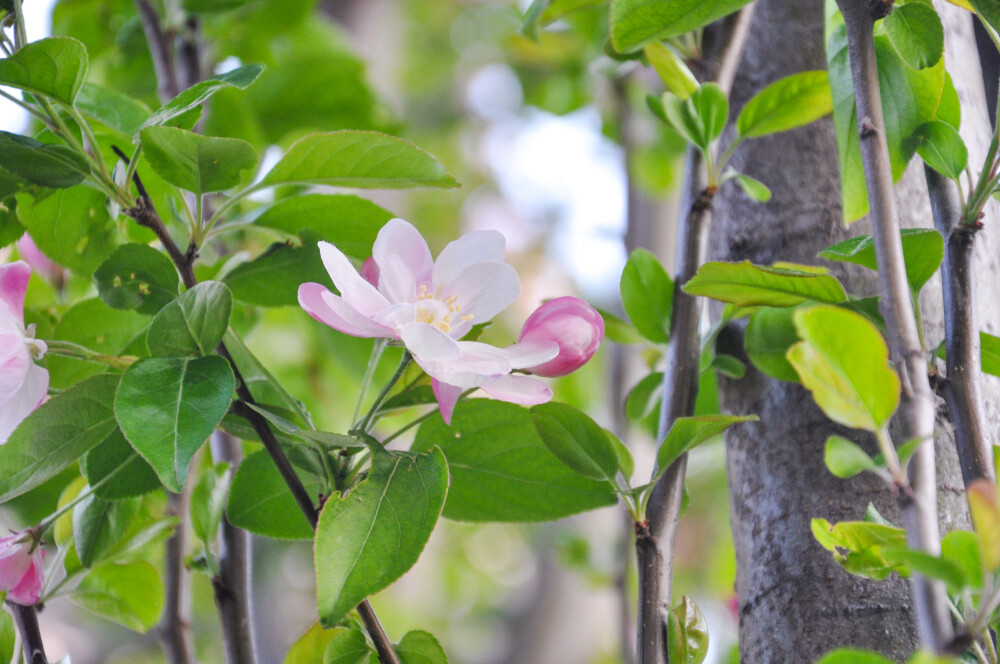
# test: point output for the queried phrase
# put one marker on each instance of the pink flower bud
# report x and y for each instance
(370, 271)
(21, 568)
(573, 325)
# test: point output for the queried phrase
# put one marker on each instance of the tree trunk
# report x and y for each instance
(796, 603)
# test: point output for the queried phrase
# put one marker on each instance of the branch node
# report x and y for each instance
(868, 128)
(880, 8)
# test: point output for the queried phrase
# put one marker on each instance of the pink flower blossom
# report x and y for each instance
(39, 262)
(23, 384)
(21, 568)
(571, 323)
(430, 305)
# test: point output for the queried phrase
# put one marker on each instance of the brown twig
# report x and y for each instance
(161, 48)
(232, 585)
(656, 538)
(916, 410)
(173, 628)
(26, 621)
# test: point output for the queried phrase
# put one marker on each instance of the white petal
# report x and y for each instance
(477, 364)
(399, 238)
(352, 286)
(429, 344)
(530, 353)
(471, 248)
(483, 290)
(396, 281)
(332, 310)
(27, 399)
(523, 390)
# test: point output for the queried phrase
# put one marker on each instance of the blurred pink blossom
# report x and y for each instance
(23, 384)
(430, 305)
(21, 568)
(573, 325)
(39, 262)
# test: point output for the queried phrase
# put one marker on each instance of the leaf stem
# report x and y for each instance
(377, 349)
(20, 33)
(76, 351)
(367, 421)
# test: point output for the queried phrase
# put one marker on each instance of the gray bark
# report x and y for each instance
(796, 603)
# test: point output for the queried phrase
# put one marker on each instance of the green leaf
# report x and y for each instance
(43, 164)
(844, 362)
(348, 647)
(916, 33)
(208, 6)
(273, 278)
(852, 656)
(769, 334)
(988, 10)
(844, 458)
(93, 325)
(99, 524)
(199, 92)
(309, 647)
(208, 502)
(687, 633)
(196, 163)
(349, 222)
(701, 117)
(370, 538)
(57, 434)
(577, 440)
(129, 594)
(419, 647)
(984, 508)
(753, 188)
(263, 386)
(858, 545)
(53, 67)
(117, 471)
(686, 433)
(923, 563)
(501, 469)
(192, 324)
(923, 249)
(136, 276)
(635, 23)
(647, 295)
(790, 102)
(746, 285)
(989, 348)
(618, 330)
(941, 146)
(359, 159)
(644, 396)
(671, 69)
(962, 548)
(168, 407)
(950, 109)
(260, 501)
(70, 226)
(8, 637)
(112, 109)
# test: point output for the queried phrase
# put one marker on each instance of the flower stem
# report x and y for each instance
(76, 351)
(369, 419)
(366, 382)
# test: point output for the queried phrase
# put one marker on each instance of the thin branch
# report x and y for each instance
(26, 620)
(916, 410)
(232, 586)
(656, 538)
(173, 628)
(962, 386)
(161, 48)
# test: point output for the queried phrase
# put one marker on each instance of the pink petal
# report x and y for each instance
(24, 401)
(429, 344)
(530, 353)
(14, 362)
(13, 284)
(357, 292)
(447, 397)
(400, 238)
(332, 310)
(27, 591)
(14, 561)
(471, 248)
(477, 364)
(484, 289)
(523, 390)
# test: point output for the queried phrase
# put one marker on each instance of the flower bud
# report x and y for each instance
(21, 568)
(573, 325)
